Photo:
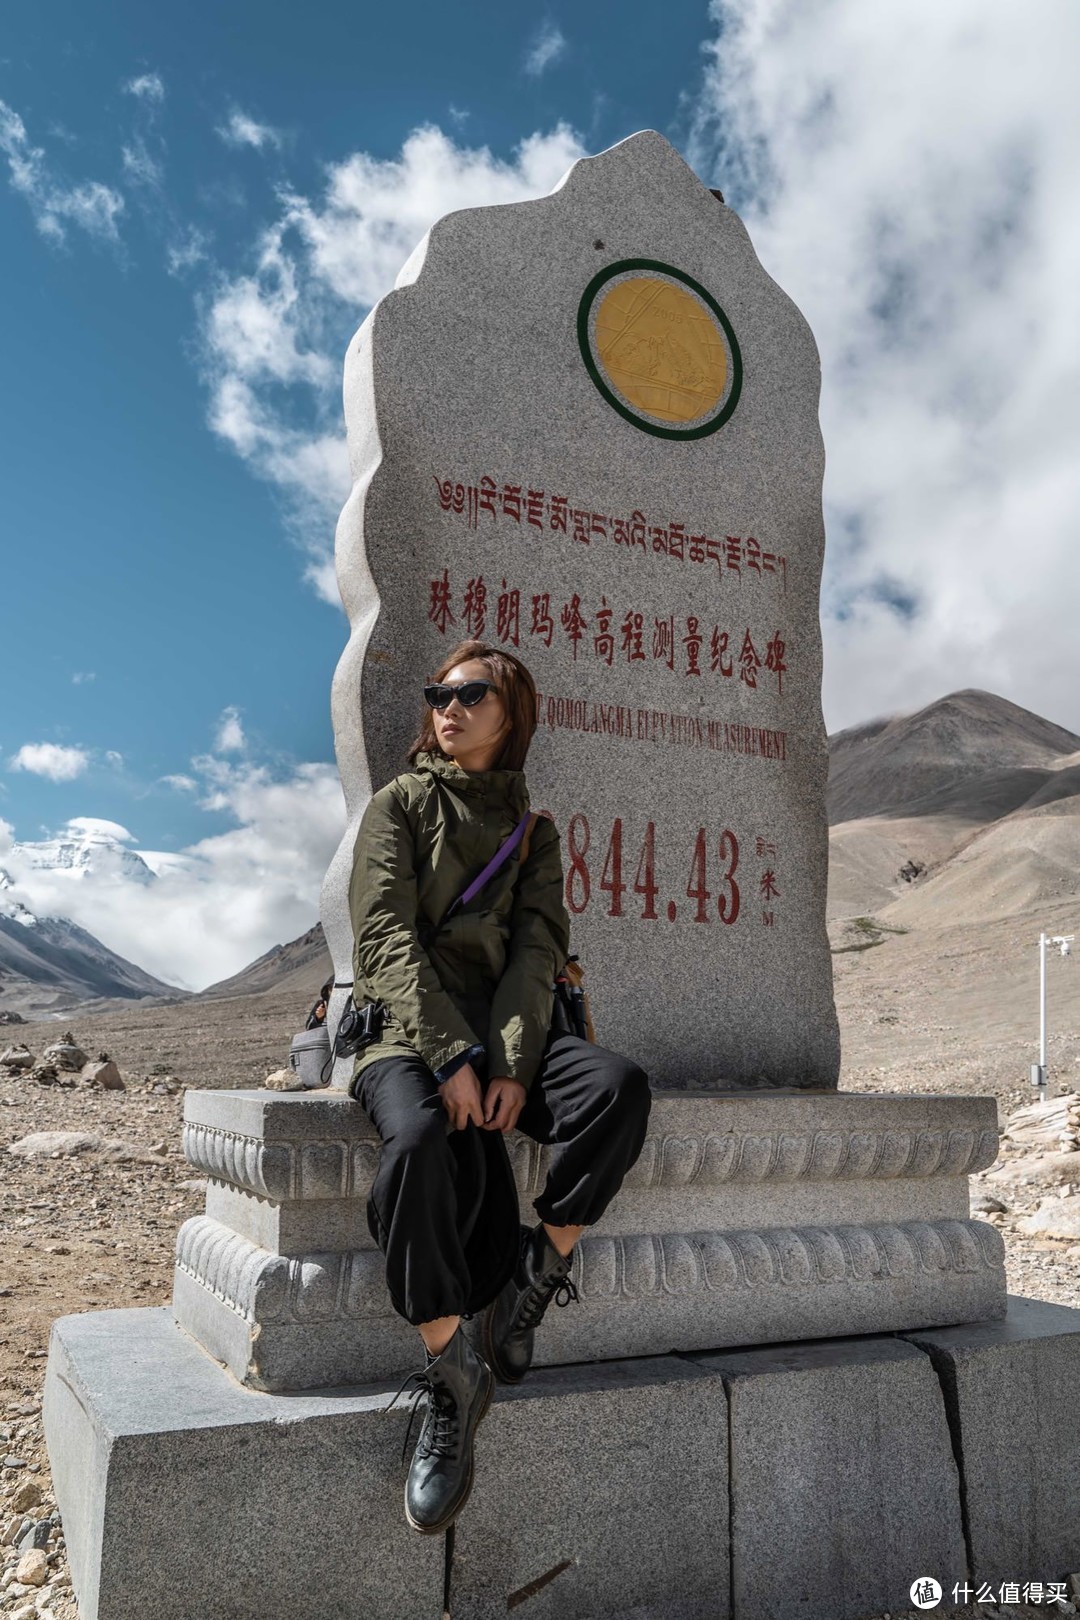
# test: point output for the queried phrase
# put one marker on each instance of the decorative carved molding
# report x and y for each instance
(346, 1168)
(272, 1289)
(713, 1159)
(638, 1267)
(323, 1168)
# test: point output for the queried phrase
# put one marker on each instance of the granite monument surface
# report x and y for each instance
(584, 428)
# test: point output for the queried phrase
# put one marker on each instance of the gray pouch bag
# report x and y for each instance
(310, 1058)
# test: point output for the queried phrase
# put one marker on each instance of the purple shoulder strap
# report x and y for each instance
(504, 851)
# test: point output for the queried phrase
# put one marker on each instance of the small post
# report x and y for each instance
(1038, 1070)
(1042, 1010)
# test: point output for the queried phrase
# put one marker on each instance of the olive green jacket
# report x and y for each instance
(486, 978)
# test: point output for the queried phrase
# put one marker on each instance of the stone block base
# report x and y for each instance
(813, 1479)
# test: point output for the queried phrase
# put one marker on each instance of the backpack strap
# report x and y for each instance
(533, 818)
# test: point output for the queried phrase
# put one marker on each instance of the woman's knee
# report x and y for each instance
(627, 1082)
(419, 1132)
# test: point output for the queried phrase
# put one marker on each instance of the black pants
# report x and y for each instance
(438, 1193)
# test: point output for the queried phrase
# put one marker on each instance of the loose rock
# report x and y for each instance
(1055, 1217)
(105, 1074)
(1042, 1122)
(283, 1080)
(166, 1085)
(17, 1057)
(27, 1495)
(32, 1568)
(40, 1144)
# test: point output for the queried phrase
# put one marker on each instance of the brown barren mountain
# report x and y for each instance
(918, 791)
(303, 963)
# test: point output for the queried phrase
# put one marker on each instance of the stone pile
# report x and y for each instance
(64, 1064)
(66, 1053)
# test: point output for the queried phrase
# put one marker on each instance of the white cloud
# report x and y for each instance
(907, 175)
(140, 167)
(376, 210)
(182, 784)
(187, 248)
(274, 337)
(113, 758)
(230, 733)
(55, 203)
(82, 676)
(147, 87)
(97, 827)
(53, 760)
(219, 903)
(242, 130)
(548, 44)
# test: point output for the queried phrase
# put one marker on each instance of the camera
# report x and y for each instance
(359, 1026)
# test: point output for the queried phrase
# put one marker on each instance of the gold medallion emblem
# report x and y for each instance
(660, 349)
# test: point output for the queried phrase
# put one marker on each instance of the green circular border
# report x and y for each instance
(588, 298)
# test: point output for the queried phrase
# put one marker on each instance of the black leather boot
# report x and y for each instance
(459, 1385)
(503, 1333)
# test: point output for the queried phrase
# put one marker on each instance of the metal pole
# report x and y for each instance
(1042, 1004)
(1038, 1070)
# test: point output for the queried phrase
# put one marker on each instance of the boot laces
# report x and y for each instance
(535, 1302)
(439, 1432)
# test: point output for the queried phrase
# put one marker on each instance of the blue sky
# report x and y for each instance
(144, 553)
(199, 206)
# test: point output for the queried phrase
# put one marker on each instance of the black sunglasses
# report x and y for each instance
(468, 693)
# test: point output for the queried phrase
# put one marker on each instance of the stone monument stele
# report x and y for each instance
(585, 428)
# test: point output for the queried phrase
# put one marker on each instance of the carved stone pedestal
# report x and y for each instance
(749, 1218)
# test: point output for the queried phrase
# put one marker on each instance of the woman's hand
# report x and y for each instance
(461, 1098)
(503, 1101)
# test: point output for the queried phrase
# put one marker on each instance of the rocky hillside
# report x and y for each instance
(288, 968)
(49, 965)
(964, 811)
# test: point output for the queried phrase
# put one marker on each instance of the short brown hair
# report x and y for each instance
(515, 686)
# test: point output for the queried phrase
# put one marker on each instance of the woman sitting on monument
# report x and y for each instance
(467, 1052)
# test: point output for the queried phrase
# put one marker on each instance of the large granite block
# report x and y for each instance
(843, 1482)
(812, 1481)
(1012, 1391)
(184, 1494)
(571, 1512)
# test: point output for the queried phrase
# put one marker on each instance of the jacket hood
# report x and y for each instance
(509, 785)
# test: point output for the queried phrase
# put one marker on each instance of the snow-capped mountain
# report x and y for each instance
(49, 963)
(85, 847)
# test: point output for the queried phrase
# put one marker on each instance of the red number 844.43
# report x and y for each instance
(722, 850)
